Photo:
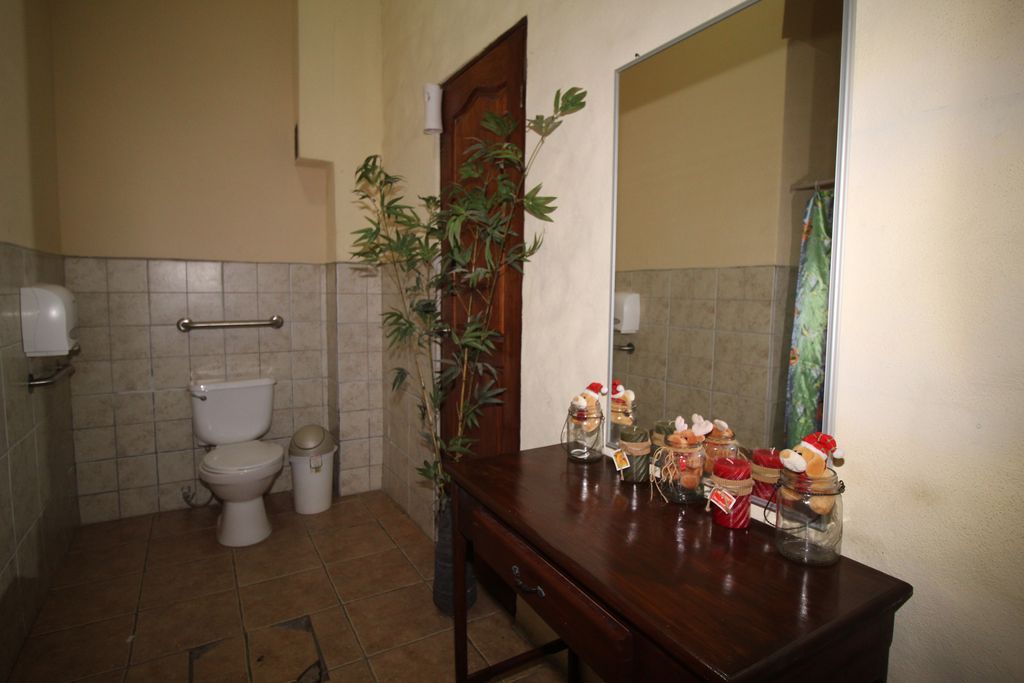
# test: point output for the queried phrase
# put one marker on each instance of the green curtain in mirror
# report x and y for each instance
(805, 391)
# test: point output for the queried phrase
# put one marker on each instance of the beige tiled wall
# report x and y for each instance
(38, 510)
(712, 341)
(356, 378)
(132, 414)
(404, 448)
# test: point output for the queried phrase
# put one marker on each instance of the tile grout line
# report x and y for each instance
(138, 601)
(241, 618)
(341, 603)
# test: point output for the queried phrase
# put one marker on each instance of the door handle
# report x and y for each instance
(522, 586)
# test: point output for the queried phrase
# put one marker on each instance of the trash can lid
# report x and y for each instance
(311, 440)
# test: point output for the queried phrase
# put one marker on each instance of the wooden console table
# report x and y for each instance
(646, 591)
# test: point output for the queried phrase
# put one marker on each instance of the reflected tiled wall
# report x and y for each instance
(132, 415)
(38, 510)
(712, 341)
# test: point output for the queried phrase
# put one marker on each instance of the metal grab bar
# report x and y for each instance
(187, 324)
(628, 348)
(60, 371)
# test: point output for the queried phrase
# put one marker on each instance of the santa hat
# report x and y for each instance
(822, 444)
(596, 389)
(618, 391)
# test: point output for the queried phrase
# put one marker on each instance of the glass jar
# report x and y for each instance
(718, 448)
(582, 434)
(635, 444)
(809, 517)
(678, 473)
(623, 415)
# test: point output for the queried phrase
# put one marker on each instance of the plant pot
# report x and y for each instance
(444, 578)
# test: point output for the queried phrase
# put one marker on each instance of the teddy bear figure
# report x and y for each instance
(622, 404)
(590, 396)
(811, 458)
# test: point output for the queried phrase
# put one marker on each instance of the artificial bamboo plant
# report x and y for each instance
(453, 247)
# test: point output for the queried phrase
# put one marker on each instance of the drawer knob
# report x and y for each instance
(522, 586)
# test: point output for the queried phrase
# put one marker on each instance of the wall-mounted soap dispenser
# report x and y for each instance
(48, 317)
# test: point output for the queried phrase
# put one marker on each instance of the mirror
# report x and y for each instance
(722, 139)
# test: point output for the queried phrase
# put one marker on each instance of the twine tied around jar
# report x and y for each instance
(736, 487)
(669, 470)
(635, 448)
(765, 475)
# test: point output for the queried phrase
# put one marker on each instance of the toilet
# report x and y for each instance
(231, 416)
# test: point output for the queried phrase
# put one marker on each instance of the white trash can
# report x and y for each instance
(311, 455)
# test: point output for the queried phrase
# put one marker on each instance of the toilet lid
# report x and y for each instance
(240, 457)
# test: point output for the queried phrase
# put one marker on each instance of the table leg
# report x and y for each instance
(575, 675)
(459, 588)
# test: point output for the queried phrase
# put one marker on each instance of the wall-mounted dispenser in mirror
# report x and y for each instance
(627, 312)
(49, 316)
(719, 135)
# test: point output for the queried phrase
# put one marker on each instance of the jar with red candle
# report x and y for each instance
(765, 471)
(731, 486)
(720, 443)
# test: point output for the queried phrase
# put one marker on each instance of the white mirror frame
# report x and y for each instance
(838, 208)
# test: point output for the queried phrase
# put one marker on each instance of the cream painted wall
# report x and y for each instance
(175, 132)
(929, 354)
(340, 114)
(28, 161)
(930, 361)
(700, 124)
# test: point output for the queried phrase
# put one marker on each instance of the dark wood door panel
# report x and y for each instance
(494, 81)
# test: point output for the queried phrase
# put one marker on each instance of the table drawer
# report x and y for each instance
(586, 627)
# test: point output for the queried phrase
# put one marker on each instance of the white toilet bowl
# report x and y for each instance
(239, 474)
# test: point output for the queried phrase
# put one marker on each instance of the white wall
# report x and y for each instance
(930, 366)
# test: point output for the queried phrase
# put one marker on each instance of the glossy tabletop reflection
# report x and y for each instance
(721, 601)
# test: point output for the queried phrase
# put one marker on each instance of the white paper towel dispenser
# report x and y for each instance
(48, 317)
(627, 312)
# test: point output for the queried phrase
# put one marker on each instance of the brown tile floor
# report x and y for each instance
(156, 599)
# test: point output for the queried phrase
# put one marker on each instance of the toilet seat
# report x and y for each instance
(239, 458)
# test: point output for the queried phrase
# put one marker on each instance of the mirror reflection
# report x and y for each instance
(725, 139)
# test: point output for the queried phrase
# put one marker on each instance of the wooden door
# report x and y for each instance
(495, 81)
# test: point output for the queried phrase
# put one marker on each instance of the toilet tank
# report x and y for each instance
(230, 412)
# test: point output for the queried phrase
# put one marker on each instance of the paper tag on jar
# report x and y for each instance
(723, 499)
(655, 471)
(621, 461)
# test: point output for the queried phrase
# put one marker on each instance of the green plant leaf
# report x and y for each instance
(573, 100)
(401, 374)
(452, 247)
(499, 124)
(538, 206)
